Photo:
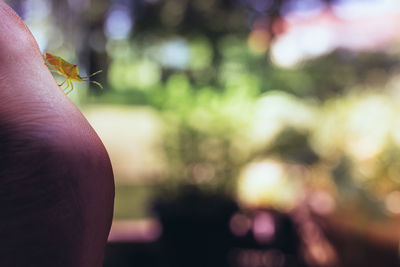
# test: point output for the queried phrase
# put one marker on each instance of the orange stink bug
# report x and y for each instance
(68, 70)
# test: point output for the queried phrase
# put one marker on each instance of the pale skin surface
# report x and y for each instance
(56, 181)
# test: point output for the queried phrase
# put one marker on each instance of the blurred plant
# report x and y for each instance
(331, 122)
(205, 130)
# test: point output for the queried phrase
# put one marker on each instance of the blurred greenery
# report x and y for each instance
(331, 122)
(132, 201)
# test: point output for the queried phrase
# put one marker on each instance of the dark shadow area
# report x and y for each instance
(207, 229)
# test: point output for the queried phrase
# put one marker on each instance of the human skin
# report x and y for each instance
(56, 180)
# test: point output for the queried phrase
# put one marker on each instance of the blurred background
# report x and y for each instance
(242, 133)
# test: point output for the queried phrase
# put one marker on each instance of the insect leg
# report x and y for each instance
(71, 85)
(53, 70)
(62, 83)
(67, 89)
(67, 85)
(51, 67)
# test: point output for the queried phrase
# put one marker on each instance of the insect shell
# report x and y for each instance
(68, 70)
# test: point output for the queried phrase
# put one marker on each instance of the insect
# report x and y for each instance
(68, 70)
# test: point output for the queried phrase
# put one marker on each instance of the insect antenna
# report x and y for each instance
(97, 72)
(86, 78)
(97, 83)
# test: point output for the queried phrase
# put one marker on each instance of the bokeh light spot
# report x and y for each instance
(240, 224)
(392, 202)
(264, 227)
(258, 41)
(119, 23)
